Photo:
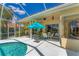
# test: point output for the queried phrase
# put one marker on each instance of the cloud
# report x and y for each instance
(12, 7)
(17, 10)
(24, 4)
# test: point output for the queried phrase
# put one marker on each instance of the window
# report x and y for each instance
(7, 29)
(52, 28)
(74, 29)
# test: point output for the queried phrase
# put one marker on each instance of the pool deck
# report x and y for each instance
(44, 48)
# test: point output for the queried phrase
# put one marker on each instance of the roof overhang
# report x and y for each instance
(50, 11)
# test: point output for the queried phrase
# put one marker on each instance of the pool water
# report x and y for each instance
(13, 49)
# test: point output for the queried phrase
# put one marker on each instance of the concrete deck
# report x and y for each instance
(45, 48)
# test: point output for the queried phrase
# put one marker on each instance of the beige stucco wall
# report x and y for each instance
(52, 21)
(71, 44)
(66, 42)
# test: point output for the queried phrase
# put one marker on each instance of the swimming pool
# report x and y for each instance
(13, 49)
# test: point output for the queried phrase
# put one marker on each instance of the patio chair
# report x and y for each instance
(44, 36)
(52, 35)
(57, 34)
(49, 35)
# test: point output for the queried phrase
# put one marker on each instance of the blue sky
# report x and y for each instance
(23, 10)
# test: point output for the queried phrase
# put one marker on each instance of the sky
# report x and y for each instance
(22, 10)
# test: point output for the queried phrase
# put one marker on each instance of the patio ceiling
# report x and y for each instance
(22, 10)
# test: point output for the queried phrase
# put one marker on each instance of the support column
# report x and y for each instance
(15, 29)
(8, 29)
(19, 30)
(67, 29)
(30, 32)
(61, 27)
(0, 29)
(2, 8)
(63, 41)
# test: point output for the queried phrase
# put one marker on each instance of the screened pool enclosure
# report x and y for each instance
(12, 13)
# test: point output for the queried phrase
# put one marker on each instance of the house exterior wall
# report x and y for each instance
(63, 26)
(65, 41)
